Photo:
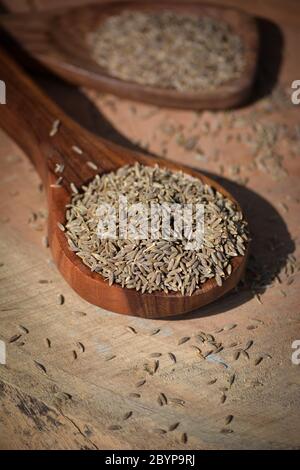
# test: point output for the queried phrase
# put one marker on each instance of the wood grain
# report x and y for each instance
(61, 46)
(264, 399)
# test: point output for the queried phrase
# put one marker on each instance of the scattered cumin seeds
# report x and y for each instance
(223, 398)
(140, 383)
(257, 297)
(80, 346)
(174, 426)
(110, 358)
(73, 188)
(177, 401)
(231, 379)
(226, 431)
(248, 345)
(131, 329)
(184, 438)
(114, 427)
(48, 341)
(211, 382)
(60, 299)
(134, 395)
(155, 331)
(163, 398)
(77, 149)
(92, 165)
(159, 431)
(155, 354)
(228, 419)
(172, 357)
(245, 354)
(258, 360)
(74, 355)
(127, 415)
(14, 338)
(41, 367)
(55, 127)
(236, 355)
(183, 340)
(229, 327)
(159, 401)
(61, 227)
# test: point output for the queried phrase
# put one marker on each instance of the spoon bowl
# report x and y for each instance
(59, 42)
(28, 117)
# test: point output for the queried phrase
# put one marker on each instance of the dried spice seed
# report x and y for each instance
(183, 340)
(172, 357)
(160, 401)
(210, 52)
(211, 382)
(236, 355)
(163, 398)
(177, 401)
(14, 338)
(115, 427)
(248, 345)
(223, 398)
(110, 358)
(226, 431)
(77, 149)
(41, 367)
(48, 341)
(127, 415)
(155, 355)
(231, 379)
(61, 227)
(134, 395)
(184, 438)
(140, 383)
(155, 331)
(92, 165)
(75, 355)
(60, 299)
(159, 431)
(131, 329)
(229, 327)
(55, 127)
(228, 419)
(245, 354)
(151, 265)
(80, 346)
(258, 360)
(174, 426)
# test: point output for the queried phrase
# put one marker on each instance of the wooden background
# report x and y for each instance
(62, 387)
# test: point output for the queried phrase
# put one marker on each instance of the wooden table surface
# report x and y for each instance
(71, 368)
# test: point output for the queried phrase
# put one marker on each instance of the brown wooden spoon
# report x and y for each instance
(59, 42)
(28, 118)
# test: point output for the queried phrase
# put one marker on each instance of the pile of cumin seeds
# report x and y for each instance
(151, 265)
(168, 50)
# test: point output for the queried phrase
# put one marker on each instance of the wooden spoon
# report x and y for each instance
(28, 118)
(59, 42)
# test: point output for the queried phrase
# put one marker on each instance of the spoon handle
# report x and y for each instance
(28, 115)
